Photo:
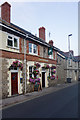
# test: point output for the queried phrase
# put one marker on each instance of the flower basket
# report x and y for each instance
(33, 80)
(53, 72)
(37, 65)
(46, 66)
(17, 64)
(36, 72)
(51, 77)
(53, 67)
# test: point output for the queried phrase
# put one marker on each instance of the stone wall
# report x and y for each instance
(0, 78)
(61, 72)
(52, 83)
(5, 78)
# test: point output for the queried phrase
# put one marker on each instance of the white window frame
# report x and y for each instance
(32, 71)
(13, 36)
(33, 49)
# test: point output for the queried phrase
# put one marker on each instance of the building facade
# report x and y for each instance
(61, 65)
(67, 67)
(19, 52)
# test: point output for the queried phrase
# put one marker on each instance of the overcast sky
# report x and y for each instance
(59, 18)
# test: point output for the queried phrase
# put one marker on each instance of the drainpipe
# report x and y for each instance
(25, 59)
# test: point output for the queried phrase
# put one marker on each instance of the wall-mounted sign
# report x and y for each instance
(43, 60)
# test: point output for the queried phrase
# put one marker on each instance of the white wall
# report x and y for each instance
(3, 42)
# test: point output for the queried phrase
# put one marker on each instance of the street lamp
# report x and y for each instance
(69, 41)
(69, 79)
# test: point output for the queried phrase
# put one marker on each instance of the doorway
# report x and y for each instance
(14, 83)
(43, 79)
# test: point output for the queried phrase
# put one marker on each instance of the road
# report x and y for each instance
(60, 104)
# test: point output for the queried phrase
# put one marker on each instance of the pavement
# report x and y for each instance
(8, 102)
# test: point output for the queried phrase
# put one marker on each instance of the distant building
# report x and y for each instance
(72, 66)
(61, 65)
(67, 66)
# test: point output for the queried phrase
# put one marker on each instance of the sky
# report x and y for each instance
(59, 18)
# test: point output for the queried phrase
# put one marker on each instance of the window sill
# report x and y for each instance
(12, 47)
(33, 54)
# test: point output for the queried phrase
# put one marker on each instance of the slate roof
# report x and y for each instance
(77, 58)
(23, 31)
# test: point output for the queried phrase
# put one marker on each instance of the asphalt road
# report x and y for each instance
(60, 104)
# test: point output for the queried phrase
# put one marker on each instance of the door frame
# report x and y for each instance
(42, 79)
(14, 71)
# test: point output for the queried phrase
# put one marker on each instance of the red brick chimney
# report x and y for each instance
(5, 11)
(42, 33)
(51, 42)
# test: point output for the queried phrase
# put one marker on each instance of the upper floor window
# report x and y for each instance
(70, 62)
(13, 41)
(33, 48)
(30, 47)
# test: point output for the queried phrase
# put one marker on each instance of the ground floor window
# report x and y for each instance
(30, 71)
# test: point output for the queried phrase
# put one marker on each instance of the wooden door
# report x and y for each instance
(43, 79)
(14, 83)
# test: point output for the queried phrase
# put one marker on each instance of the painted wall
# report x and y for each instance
(3, 42)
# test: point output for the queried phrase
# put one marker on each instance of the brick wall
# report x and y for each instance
(20, 56)
(5, 12)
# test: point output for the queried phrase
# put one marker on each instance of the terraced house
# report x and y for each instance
(20, 52)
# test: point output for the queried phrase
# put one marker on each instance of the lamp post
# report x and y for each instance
(69, 41)
(69, 79)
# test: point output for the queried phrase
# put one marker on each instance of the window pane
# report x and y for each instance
(30, 75)
(15, 42)
(30, 69)
(10, 43)
(34, 49)
(30, 47)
